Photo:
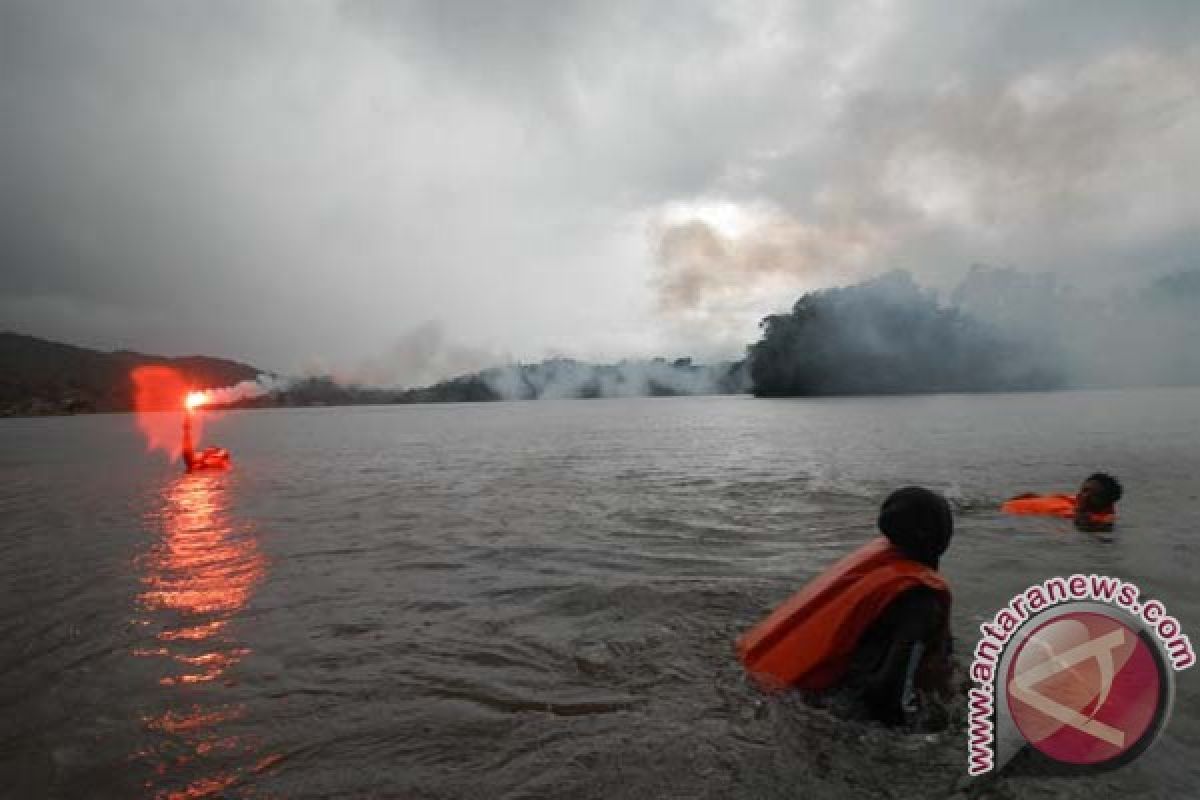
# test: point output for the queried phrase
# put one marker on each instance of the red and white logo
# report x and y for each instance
(1086, 688)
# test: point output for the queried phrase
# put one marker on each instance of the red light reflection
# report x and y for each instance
(196, 579)
(198, 576)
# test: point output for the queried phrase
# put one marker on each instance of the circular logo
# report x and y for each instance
(1086, 688)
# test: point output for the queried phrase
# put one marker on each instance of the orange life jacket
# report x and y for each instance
(1054, 505)
(809, 641)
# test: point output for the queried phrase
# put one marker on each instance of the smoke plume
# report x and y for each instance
(1002, 330)
(1137, 336)
(421, 356)
(566, 378)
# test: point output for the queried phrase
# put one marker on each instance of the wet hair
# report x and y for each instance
(919, 522)
(1112, 487)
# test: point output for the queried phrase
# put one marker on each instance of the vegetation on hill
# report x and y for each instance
(888, 336)
(43, 377)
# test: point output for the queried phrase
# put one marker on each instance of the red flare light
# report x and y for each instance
(156, 390)
(160, 389)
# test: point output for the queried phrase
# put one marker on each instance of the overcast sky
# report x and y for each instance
(396, 191)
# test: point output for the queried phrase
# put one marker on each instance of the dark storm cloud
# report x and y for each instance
(308, 183)
(118, 208)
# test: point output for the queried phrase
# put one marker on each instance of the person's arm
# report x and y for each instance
(912, 624)
(189, 450)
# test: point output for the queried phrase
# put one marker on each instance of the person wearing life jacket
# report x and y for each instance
(208, 458)
(877, 621)
(1093, 508)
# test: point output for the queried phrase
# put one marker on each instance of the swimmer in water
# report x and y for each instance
(876, 622)
(908, 647)
(1093, 508)
(208, 458)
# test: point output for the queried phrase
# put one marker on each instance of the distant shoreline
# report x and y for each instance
(748, 395)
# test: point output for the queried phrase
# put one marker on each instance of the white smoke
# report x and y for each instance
(1137, 336)
(261, 386)
(566, 378)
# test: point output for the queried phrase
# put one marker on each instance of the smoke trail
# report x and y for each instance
(563, 378)
(246, 390)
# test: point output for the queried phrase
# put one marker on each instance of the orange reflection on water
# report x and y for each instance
(197, 577)
(205, 787)
(205, 631)
(178, 722)
(212, 666)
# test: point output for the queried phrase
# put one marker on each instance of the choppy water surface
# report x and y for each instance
(532, 599)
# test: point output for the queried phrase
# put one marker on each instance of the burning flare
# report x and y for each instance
(160, 393)
(194, 400)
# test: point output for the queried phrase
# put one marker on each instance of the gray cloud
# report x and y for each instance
(1072, 162)
(305, 184)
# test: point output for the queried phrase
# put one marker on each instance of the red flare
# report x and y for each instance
(158, 391)
(160, 394)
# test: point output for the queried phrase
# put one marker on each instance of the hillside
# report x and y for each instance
(43, 377)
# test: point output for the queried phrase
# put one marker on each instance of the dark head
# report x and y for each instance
(1099, 492)
(919, 522)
